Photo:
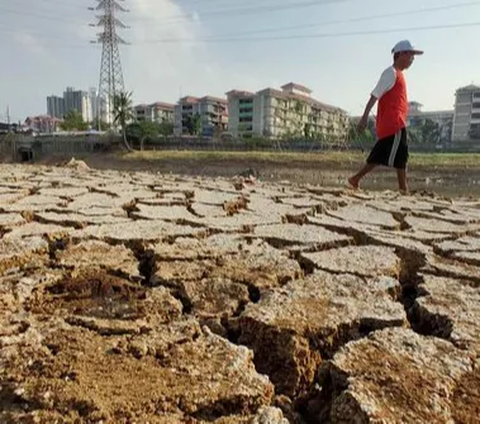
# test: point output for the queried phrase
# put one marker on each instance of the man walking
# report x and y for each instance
(391, 148)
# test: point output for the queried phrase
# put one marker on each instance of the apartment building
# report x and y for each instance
(289, 112)
(417, 118)
(466, 121)
(240, 113)
(155, 112)
(211, 113)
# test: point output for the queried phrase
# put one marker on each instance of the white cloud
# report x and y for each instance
(155, 70)
(28, 42)
(161, 71)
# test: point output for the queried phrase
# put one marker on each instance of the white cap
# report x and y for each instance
(405, 46)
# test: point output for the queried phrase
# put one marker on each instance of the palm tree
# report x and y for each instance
(123, 113)
(197, 124)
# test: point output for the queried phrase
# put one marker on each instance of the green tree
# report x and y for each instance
(307, 131)
(166, 128)
(188, 124)
(197, 124)
(101, 125)
(360, 139)
(193, 124)
(123, 113)
(430, 131)
(73, 121)
(139, 132)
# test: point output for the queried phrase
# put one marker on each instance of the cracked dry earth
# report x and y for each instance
(142, 298)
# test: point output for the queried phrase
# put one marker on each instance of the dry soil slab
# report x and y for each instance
(366, 215)
(293, 328)
(398, 376)
(76, 375)
(17, 252)
(365, 261)
(306, 236)
(450, 309)
(94, 254)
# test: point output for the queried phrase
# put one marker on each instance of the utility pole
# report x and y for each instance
(8, 118)
(111, 74)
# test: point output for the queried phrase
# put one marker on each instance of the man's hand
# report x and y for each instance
(362, 124)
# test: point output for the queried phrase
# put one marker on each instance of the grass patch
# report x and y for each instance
(254, 156)
(440, 160)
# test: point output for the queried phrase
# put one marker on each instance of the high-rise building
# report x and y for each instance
(56, 106)
(85, 103)
(289, 112)
(74, 100)
(466, 122)
(94, 103)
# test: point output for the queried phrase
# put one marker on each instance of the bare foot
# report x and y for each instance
(353, 183)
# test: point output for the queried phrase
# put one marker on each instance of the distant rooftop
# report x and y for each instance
(282, 94)
(192, 99)
(295, 86)
(470, 87)
(240, 93)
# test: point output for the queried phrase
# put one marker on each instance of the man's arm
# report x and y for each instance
(362, 125)
(386, 83)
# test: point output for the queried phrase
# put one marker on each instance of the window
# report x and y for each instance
(475, 115)
(464, 98)
(463, 109)
(246, 119)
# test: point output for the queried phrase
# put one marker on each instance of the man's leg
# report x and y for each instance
(401, 162)
(355, 180)
(402, 180)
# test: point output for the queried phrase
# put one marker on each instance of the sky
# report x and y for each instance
(338, 48)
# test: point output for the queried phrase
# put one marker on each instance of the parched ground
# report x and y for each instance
(151, 298)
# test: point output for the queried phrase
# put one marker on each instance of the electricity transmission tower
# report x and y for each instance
(111, 74)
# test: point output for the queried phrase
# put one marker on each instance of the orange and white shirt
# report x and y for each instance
(391, 92)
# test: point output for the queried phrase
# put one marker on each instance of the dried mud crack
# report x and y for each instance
(158, 299)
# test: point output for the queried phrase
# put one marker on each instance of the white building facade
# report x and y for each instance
(466, 122)
(289, 112)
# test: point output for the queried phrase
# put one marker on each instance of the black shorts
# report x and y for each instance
(391, 151)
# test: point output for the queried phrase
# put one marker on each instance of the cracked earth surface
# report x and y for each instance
(146, 298)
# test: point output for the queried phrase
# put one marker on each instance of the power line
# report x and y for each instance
(312, 36)
(233, 13)
(231, 37)
(350, 20)
(176, 19)
(56, 4)
(37, 15)
(293, 37)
